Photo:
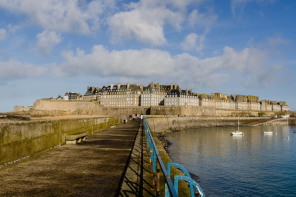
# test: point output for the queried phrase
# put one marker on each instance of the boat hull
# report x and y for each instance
(237, 133)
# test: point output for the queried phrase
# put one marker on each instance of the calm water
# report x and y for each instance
(251, 165)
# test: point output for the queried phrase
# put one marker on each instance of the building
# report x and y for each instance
(119, 95)
(179, 97)
(71, 96)
(132, 95)
(154, 94)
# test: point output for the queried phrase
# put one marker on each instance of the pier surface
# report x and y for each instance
(91, 168)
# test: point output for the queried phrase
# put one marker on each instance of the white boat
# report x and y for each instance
(238, 132)
(268, 132)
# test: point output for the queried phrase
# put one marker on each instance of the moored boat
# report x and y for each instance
(268, 132)
(238, 132)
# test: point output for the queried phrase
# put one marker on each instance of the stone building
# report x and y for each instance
(154, 94)
(132, 95)
(206, 100)
(120, 95)
(179, 97)
(72, 96)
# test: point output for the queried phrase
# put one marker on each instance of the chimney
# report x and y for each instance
(127, 86)
(172, 86)
(186, 91)
(152, 85)
(176, 86)
(141, 87)
(158, 86)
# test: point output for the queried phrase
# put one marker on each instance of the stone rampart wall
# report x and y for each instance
(48, 107)
(292, 121)
(120, 111)
(22, 108)
(69, 107)
(163, 124)
(183, 110)
(22, 139)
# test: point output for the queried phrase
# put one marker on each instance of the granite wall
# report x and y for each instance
(21, 139)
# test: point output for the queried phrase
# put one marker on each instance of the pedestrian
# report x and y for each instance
(124, 119)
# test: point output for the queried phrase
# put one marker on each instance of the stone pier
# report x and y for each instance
(93, 167)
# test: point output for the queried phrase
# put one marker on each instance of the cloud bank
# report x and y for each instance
(12, 70)
(47, 40)
(61, 16)
(249, 64)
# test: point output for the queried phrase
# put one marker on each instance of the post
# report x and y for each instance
(157, 179)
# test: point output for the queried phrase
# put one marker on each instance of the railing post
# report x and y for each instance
(151, 160)
(157, 180)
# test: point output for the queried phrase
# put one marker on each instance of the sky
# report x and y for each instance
(243, 47)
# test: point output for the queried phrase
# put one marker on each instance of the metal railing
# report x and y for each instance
(157, 164)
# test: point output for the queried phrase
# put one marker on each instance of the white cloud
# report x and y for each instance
(2, 34)
(205, 20)
(47, 40)
(248, 65)
(193, 42)
(145, 21)
(201, 19)
(61, 16)
(13, 69)
(130, 63)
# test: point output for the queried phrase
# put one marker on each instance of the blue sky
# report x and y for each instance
(232, 46)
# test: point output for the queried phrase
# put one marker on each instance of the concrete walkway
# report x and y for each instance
(92, 168)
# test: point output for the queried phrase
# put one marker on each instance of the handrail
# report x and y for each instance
(155, 156)
(170, 188)
(191, 182)
(185, 178)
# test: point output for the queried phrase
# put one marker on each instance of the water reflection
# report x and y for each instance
(253, 163)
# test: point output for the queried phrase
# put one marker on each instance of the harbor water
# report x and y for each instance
(254, 164)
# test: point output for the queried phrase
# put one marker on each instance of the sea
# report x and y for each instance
(254, 164)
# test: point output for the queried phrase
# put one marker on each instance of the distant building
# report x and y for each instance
(132, 95)
(179, 97)
(71, 96)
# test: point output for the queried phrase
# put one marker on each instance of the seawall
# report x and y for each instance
(48, 107)
(21, 139)
(163, 124)
(292, 121)
(61, 107)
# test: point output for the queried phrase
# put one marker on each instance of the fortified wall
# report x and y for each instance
(21, 139)
(70, 107)
(47, 107)
(162, 125)
(168, 124)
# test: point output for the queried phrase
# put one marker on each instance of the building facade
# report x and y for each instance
(132, 95)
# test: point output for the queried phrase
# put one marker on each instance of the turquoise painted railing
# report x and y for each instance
(157, 164)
